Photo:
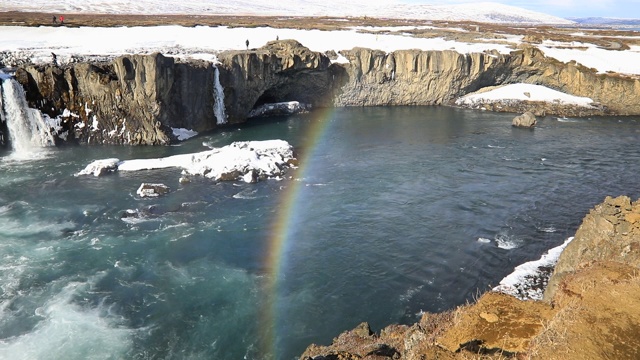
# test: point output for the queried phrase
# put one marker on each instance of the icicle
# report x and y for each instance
(27, 129)
(218, 98)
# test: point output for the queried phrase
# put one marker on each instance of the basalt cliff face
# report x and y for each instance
(591, 308)
(131, 100)
(413, 77)
(136, 99)
(277, 72)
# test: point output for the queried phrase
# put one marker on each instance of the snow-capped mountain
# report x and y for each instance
(479, 12)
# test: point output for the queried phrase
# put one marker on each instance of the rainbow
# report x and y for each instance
(281, 230)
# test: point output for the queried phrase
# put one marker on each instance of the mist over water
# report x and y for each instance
(401, 210)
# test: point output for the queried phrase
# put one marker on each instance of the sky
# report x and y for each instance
(564, 8)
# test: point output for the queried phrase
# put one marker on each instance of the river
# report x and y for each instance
(391, 212)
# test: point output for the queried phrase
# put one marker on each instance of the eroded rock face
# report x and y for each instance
(414, 77)
(132, 100)
(279, 71)
(611, 91)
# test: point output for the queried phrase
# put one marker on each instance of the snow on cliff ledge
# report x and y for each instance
(249, 161)
(523, 92)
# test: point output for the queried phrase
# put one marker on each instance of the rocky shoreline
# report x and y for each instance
(590, 309)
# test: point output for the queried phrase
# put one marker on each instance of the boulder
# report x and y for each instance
(100, 167)
(152, 190)
(527, 120)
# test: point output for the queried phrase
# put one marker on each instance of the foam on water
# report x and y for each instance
(529, 280)
(507, 242)
(69, 331)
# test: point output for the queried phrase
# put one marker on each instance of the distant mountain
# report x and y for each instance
(607, 21)
(478, 12)
(486, 12)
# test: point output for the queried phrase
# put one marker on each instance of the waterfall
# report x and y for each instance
(27, 129)
(218, 98)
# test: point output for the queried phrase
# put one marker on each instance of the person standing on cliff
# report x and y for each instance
(247, 43)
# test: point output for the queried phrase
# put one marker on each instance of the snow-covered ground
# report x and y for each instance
(204, 42)
(38, 43)
(404, 9)
(624, 62)
(524, 92)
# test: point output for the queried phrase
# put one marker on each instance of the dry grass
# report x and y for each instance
(554, 332)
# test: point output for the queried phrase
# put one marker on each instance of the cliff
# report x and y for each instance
(277, 72)
(413, 77)
(137, 99)
(131, 100)
(591, 308)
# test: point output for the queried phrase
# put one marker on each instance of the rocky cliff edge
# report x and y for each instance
(137, 99)
(591, 308)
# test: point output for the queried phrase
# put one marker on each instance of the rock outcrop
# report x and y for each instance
(609, 233)
(132, 100)
(415, 77)
(592, 308)
(277, 72)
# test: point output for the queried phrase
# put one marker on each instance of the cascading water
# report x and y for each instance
(218, 97)
(27, 129)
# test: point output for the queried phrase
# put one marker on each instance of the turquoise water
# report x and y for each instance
(391, 207)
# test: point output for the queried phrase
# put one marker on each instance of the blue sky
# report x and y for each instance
(564, 8)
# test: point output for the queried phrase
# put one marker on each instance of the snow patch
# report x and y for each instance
(523, 92)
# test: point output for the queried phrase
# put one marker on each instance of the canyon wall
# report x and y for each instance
(137, 99)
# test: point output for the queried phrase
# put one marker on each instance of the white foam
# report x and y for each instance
(507, 242)
(69, 331)
(519, 284)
